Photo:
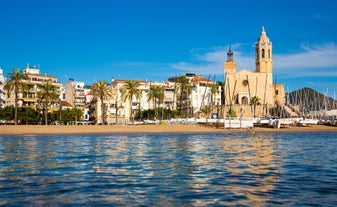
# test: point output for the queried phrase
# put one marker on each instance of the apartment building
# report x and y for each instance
(201, 94)
(29, 97)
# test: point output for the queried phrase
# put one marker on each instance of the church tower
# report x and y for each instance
(230, 65)
(263, 62)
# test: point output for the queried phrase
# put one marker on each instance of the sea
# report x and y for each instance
(169, 169)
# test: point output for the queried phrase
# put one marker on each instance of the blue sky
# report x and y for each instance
(158, 39)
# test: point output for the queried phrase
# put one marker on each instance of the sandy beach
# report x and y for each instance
(98, 129)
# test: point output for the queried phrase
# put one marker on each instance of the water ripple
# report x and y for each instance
(269, 169)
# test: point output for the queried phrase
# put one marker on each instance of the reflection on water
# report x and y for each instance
(169, 169)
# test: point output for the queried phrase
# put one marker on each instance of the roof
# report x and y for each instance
(124, 81)
(66, 103)
(40, 75)
(200, 79)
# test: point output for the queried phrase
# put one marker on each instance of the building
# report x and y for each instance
(241, 86)
(2, 91)
(202, 92)
(74, 93)
(119, 109)
(30, 98)
(77, 95)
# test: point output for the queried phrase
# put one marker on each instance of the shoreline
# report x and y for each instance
(133, 129)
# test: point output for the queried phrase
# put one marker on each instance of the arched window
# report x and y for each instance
(262, 53)
(244, 100)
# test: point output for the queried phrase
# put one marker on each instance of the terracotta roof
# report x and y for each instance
(200, 79)
(40, 75)
(123, 81)
(66, 103)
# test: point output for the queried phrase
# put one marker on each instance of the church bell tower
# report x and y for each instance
(263, 62)
(230, 65)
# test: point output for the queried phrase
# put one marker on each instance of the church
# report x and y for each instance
(244, 85)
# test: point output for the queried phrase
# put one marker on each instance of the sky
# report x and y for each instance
(157, 39)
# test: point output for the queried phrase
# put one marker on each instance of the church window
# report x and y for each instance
(269, 53)
(276, 92)
(262, 53)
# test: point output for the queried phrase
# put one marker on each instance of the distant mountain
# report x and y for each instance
(309, 99)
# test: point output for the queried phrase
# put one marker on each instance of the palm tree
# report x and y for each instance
(214, 91)
(183, 89)
(156, 95)
(206, 110)
(16, 82)
(131, 89)
(102, 90)
(48, 93)
(76, 114)
(254, 101)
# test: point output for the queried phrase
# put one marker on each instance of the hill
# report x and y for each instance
(311, 100)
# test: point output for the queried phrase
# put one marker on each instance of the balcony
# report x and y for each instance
(30, 100)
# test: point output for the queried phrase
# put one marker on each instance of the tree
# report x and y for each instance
(7, 113)
(183, 90)
(275, 111)
(16, 82)
(131, 89)
(214, 91)
(47, 94)
(66, 116)
(156, 95)
(27, 114)
(206, 110)
(76, 114)
(102, 91)
(254, 101)
(231, 113)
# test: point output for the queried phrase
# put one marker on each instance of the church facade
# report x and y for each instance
(244, 85)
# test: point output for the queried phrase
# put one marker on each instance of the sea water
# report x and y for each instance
(170, 169)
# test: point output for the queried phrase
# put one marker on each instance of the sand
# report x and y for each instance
(98, 129)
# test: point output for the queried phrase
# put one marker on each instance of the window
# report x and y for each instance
(276, 92)
(262, 53)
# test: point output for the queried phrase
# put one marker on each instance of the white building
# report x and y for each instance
(201, 94)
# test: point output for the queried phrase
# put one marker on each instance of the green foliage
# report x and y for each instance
(7, 113)
(231, 113)
(24, 115)
(162, 113)
(28, 116)
(275, 111)
(309, 98)
(17, 82)
(102, 91)
(254, 101)
(67, 115)
(131, 89)
(206, 110)
(155, 94)
(183, 88)
(76, 114)
(47, 94)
